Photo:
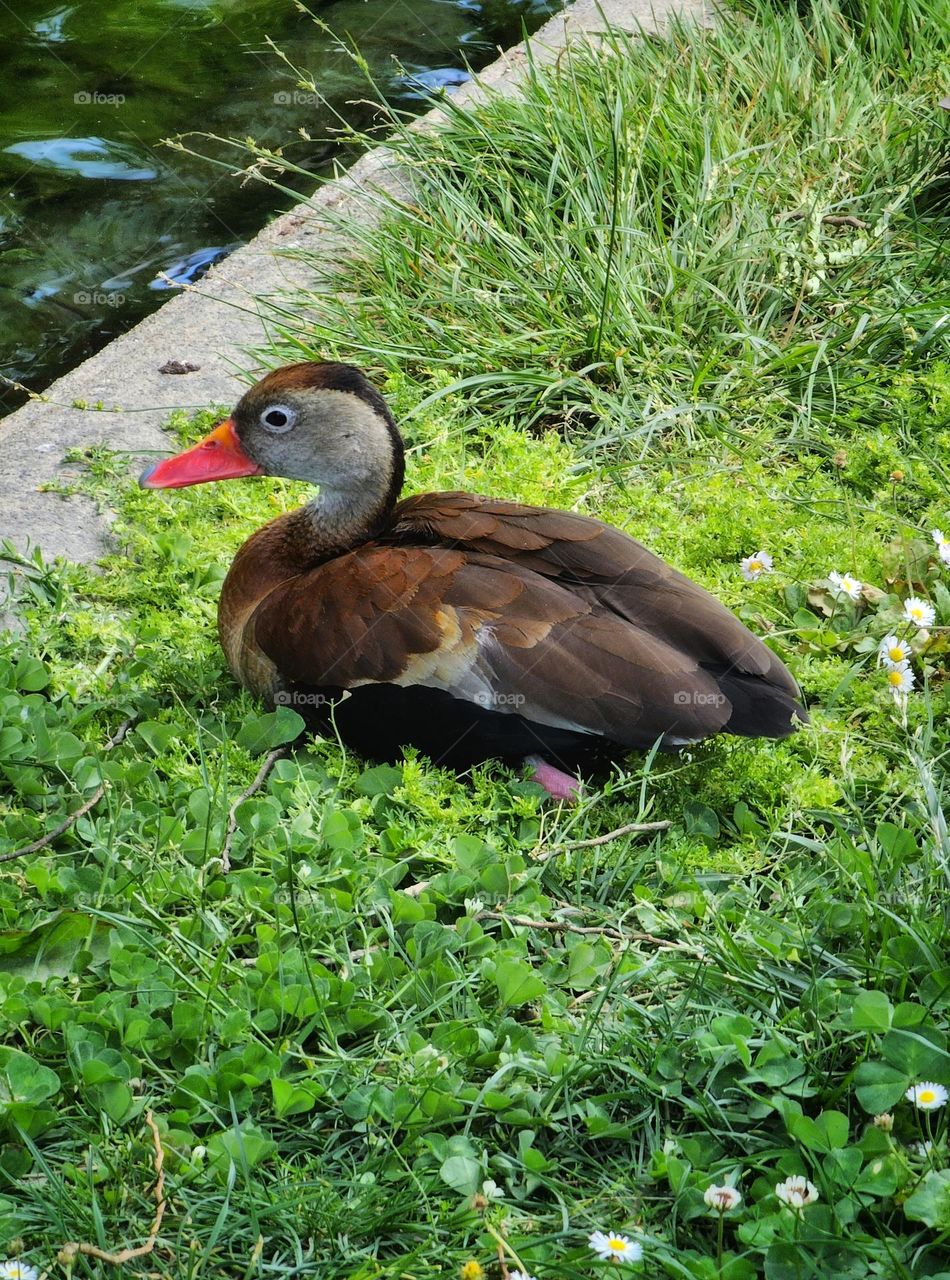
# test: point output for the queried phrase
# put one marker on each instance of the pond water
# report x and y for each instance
(93, 205)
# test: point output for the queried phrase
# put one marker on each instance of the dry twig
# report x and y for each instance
(829, 219)
(413, 890)
(630, 829)
(564, 926)
(70, 1250)
(255, 786)
(83, 809)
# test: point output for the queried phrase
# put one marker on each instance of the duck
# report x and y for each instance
(471, 628)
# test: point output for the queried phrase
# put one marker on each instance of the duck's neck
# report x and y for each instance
(341, 516)
(334, 521)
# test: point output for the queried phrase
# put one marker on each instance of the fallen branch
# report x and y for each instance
(83, 809)
(630, 829)
(413, 890)
(829, 219)
(564, 926)
(505, 1251)
(70, 1251)
(255, 786)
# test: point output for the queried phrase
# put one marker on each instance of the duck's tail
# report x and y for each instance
(761, 708)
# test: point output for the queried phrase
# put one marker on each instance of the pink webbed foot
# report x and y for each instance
(558, 785)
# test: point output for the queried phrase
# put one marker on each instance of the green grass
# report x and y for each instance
(338, 1066)
(638, 247)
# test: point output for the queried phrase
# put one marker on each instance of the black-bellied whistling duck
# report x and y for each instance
(469, 627)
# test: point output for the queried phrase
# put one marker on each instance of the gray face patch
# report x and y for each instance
(331, 438)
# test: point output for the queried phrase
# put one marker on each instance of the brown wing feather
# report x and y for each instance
(601, 565)
(358, 617)
(488, 631)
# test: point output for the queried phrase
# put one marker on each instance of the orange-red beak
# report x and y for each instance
(218, 456)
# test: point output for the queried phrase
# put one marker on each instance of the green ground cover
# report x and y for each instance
(416, 1031)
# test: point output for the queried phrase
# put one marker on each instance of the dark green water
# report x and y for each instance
(92, 205)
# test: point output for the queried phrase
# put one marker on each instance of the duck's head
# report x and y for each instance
(320, 422)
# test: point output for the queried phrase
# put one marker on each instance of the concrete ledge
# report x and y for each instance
(214, 325)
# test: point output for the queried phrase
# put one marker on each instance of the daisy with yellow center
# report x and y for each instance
(943, 545)
(843, 584)
(893, 652)
(900, 680)
(927, 1096)
(919, 612)
(14, 1270)
(611, 1247)
(755, 565)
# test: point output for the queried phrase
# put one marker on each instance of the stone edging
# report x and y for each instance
(213, 324)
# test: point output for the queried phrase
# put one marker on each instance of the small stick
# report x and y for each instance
(413, 890)
(255, 786)
(845, 220)
(627, 830)
(70, 1250)
(505, 1251)
(503, 1262)
(563, 926)
(830, 219)
(80, 812)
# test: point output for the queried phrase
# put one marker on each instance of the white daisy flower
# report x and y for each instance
(722, 1199)
(610, 1247)
(893, 652)
(900, 680)
(796, 1192)
(755, 565)
(943, 545)
(14, 1270)
(844, 585)
(927, 1096)
(919, 612)
(520, 1275)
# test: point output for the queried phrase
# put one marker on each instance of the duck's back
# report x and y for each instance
(619, 577)
(473, 627)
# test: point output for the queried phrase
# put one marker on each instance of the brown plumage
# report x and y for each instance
(467, 626)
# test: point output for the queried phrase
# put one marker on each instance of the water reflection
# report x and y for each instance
(191, 268)
(93, 207)
(86, 157)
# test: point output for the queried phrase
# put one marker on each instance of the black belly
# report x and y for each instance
(379, 720)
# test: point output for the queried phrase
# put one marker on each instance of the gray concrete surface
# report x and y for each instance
(215, 324)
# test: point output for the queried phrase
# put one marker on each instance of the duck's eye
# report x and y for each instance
(278, 418)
